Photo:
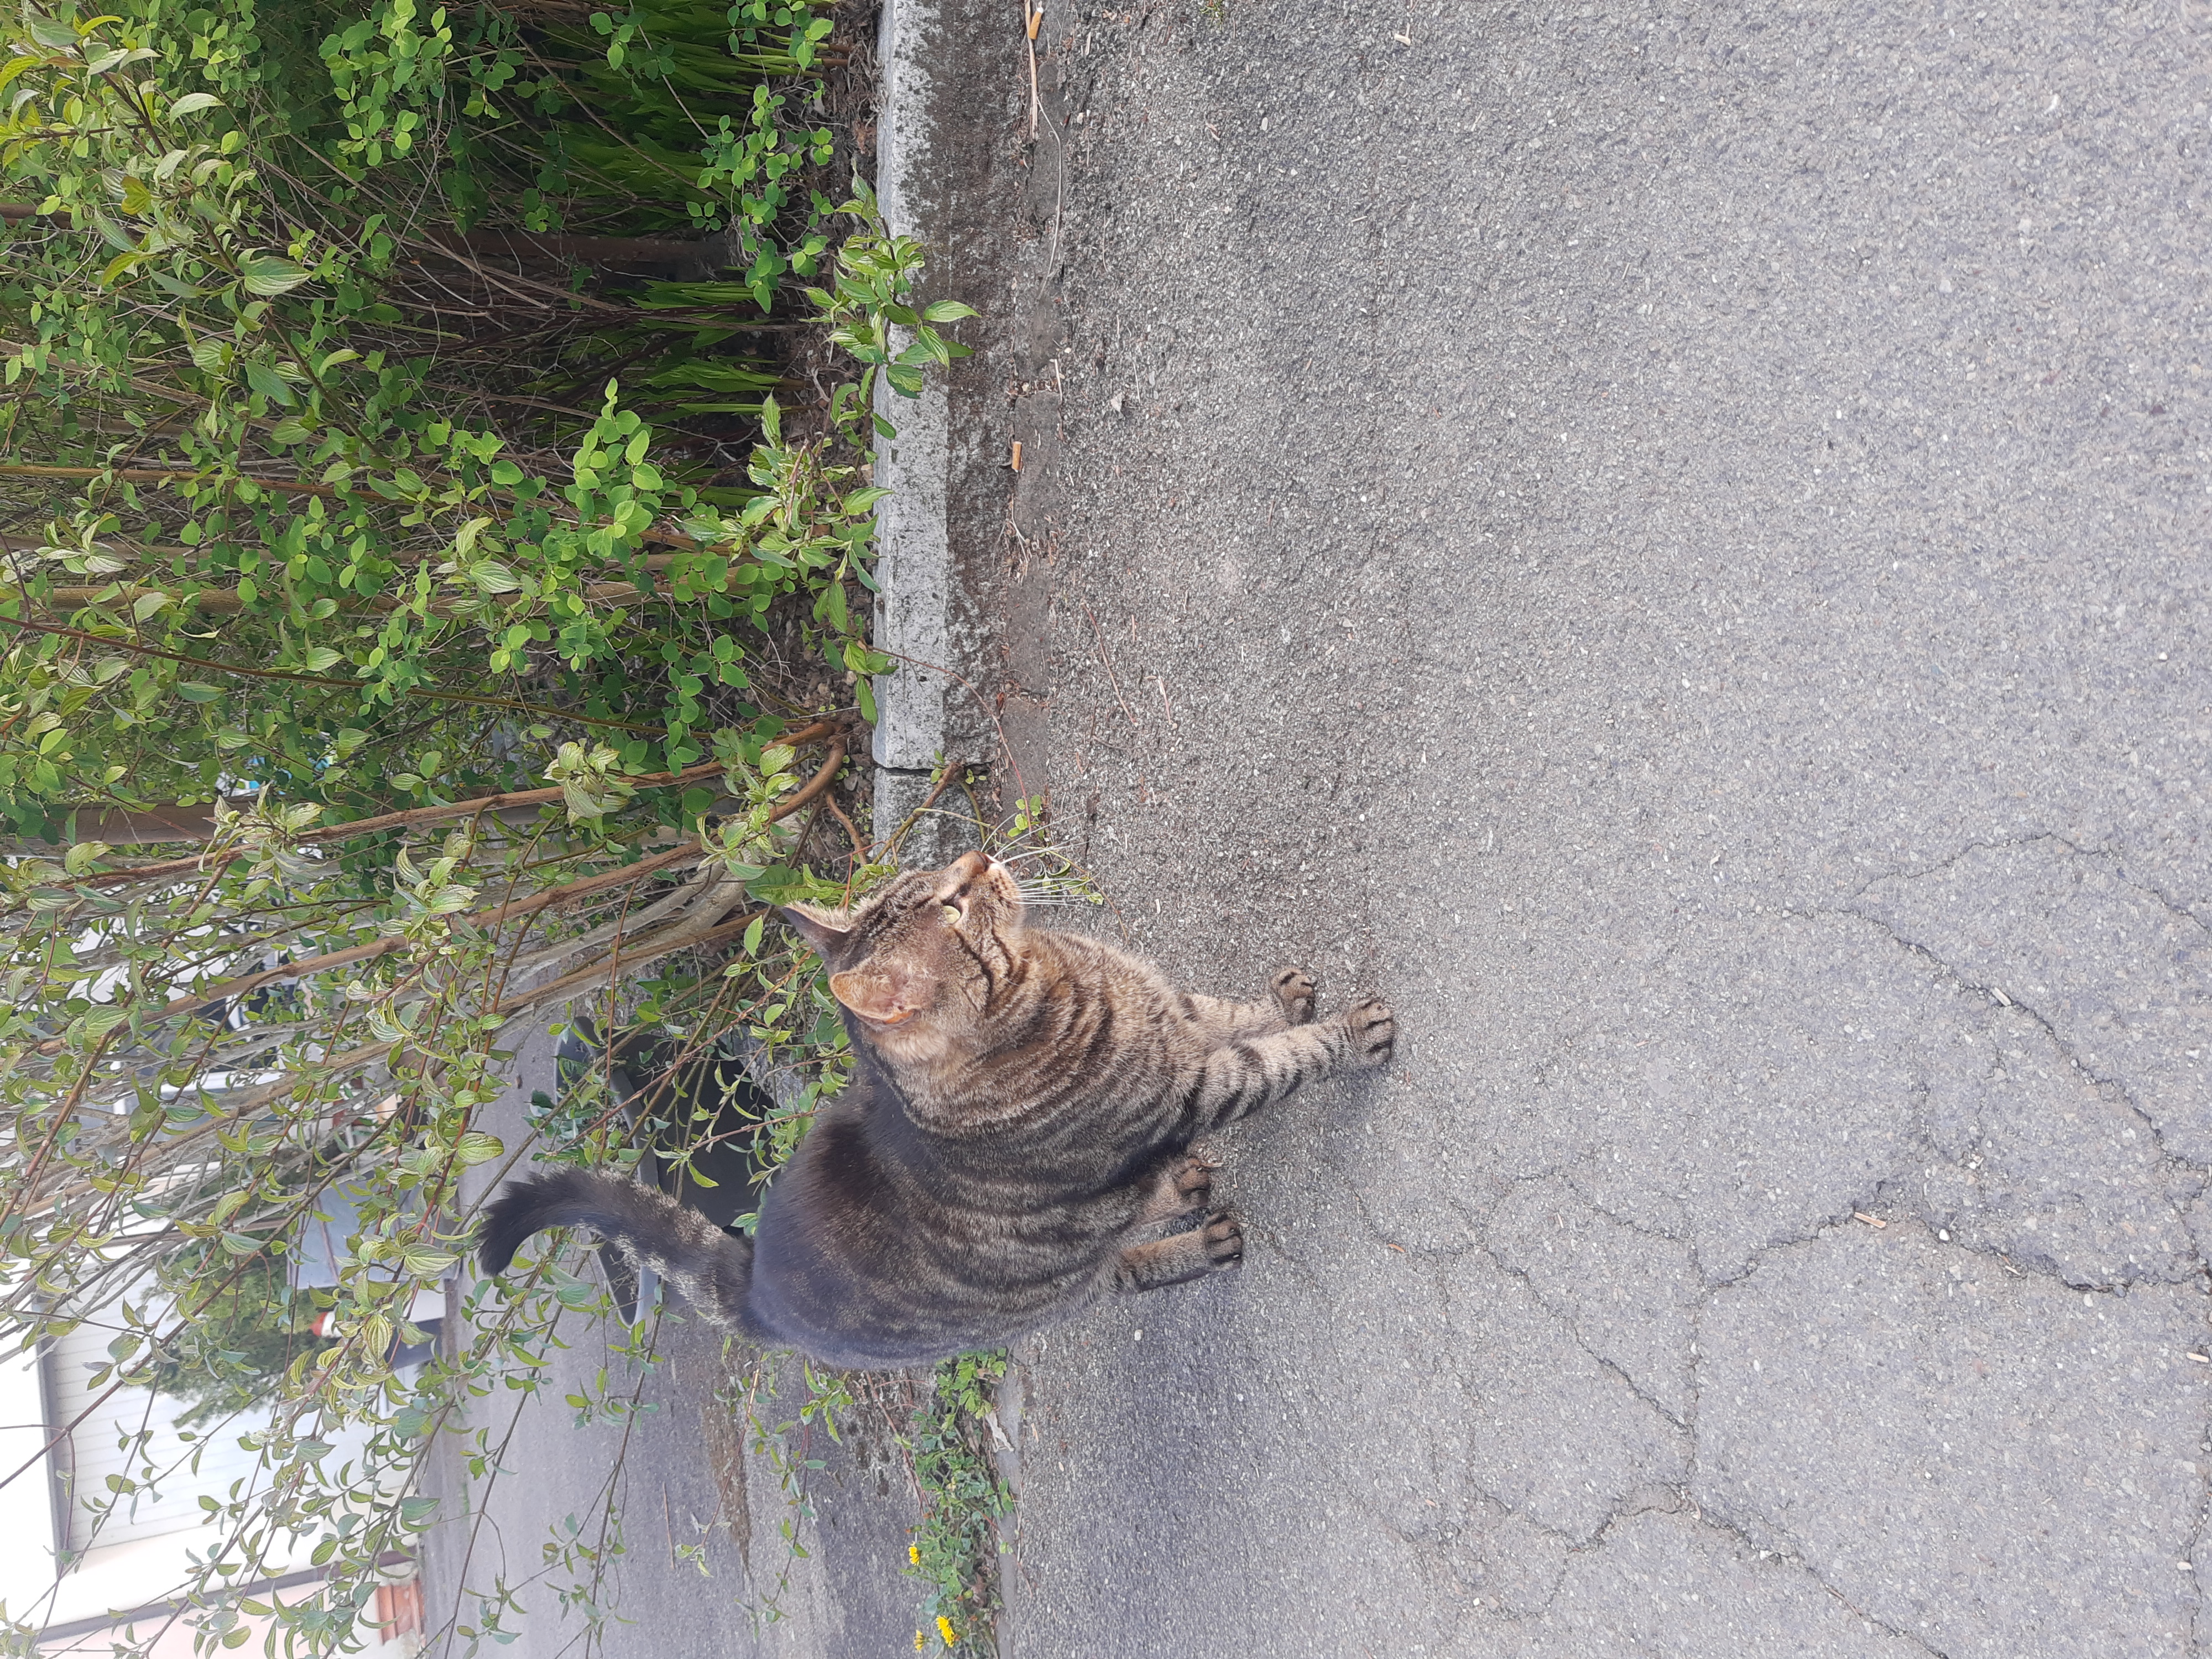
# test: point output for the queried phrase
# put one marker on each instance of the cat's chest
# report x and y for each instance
(1039, 1089)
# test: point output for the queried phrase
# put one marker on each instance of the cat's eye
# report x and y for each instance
(952, 912)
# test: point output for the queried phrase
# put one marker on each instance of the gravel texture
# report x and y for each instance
(1672, 545)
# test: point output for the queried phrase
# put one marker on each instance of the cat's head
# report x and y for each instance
(921, 961)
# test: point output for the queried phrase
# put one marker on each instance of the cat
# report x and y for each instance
(1016, 1135)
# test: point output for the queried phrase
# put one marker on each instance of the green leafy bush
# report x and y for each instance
(439, 700)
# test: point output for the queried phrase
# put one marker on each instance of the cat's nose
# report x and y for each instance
(961, 870)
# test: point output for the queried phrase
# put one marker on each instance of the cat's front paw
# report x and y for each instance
(1373, 1030)
(1294, 990)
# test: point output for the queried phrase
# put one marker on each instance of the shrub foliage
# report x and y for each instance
(409, 526)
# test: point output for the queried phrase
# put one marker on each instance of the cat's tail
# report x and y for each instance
(711, 1269)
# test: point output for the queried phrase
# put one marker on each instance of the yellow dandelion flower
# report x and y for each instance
(914, 1554)
(944, 1630)
(918, 1635)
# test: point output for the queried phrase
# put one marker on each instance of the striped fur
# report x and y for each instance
(1016, 1138)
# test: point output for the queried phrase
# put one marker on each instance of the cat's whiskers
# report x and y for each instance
(1036, 893)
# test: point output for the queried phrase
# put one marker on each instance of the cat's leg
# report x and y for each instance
(1289, 1001)
(1218, 1243)
(1239, 1078)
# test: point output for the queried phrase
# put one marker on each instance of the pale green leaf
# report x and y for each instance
(267, 274)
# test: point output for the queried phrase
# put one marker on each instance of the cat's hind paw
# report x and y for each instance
(1224, 1241)
(1185, 1189)
(1191, 1187)
(1294, 990)
(1373, 1030)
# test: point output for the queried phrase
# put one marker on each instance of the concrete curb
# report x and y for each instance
(941, 164)
(913, 565)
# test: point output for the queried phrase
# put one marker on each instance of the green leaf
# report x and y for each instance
(193, 102)
(121, 265)
(268, 382)
(476, 1147)
(948, 311)
(266, 274)
(146, 604)
(753, 936)
(80, 858)
(197, 691)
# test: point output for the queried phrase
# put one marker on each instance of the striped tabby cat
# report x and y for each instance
(1016, 1137)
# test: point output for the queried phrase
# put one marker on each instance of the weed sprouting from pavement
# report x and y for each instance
(956, 1544)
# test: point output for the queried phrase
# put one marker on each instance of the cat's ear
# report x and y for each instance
(886, 997)
(825, 930)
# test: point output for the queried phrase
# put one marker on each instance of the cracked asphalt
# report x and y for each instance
(1672, 543)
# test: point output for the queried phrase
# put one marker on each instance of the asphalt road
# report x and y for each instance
(1673, 544)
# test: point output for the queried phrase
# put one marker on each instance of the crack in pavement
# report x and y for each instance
(1793, 1555)
(1573, 1327)
(2172, 1163)
(2101, 854)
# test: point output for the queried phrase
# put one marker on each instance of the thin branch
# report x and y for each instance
(571, 893)
(163, 475)
(413, 816)
(292, 674)
(227, 602)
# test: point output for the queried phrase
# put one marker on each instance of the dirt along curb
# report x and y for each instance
(967, 165)
(956, 170)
